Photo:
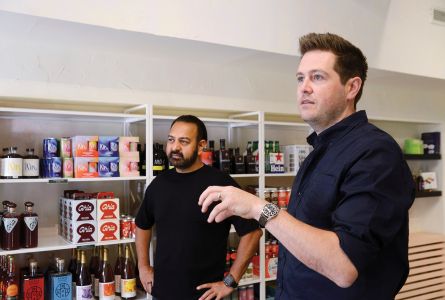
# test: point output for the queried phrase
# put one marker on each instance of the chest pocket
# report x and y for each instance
(319, 198)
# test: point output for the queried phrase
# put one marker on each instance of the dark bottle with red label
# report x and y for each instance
(30, 227)
(10, 284)
(128, 276)
(33, 285)
(222, 157)
(106, 278)
(11, 229)
(72, 268)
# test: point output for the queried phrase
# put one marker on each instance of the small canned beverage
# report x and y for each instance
(133, 227)
(65, 147)
(68, 167)
(114, 146)
(92, 145)
(56, 167)
(125, 225)
(267, 194)
(114, 166)
(50, 147)
(92, 166)
(134, 166)
(288, 192)
(274, 196)
(242, 293)
(250, 292)
(282, 196)
(133, 147)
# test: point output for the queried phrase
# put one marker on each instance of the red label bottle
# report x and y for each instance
(106, 279)
(33, 283)
(11, 286)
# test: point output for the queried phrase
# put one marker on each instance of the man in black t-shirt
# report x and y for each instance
(190, 252)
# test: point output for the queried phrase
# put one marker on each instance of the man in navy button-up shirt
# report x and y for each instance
(345, 234)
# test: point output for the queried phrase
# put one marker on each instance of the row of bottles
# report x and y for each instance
(14, 165)
(18, 230)
(80, 282)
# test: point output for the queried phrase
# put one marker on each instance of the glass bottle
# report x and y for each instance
(222, 156)
(212, 149)
(97, 271)
(159, 157)
(11, 287)
(118, 270)
(33, 283)
(106, 279)
(206, 156)
(11, 232)
(143, 163)
(12, 166)
(239, 162)
(60, 283)
(83, 281)
(30, 164)
(72, 268)
(30, 227)
(128, 277)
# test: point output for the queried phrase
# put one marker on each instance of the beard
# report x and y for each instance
(183, 162)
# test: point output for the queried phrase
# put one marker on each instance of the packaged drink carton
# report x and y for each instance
(108, 167)
(129, 167)
(81, 210)
(85, 146)
(78, 232)
(107, 209)
(271, 267)
(276, 161)
(128, 146)
(108, 146)
(86, 167)
(294, 155)
(108, 230)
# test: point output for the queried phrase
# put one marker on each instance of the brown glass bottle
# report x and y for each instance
(30, 164)
(97, 272)
(30, 227)
(72, 268)
(12, 165)
(2, 228)
(83, 279)
(2, 275)
(128, 277)
(222, 157)
(11, 286)
(106, 279)
(118, 270)
(11, 233)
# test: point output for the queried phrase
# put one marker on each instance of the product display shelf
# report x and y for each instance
(254, 280)
(422, 156)
(67, 180)
(271, 279)
(288, 174)
(49, 240)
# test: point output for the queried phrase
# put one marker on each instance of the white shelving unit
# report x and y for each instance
(24, 126)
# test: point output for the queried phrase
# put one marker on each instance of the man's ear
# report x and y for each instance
(201, 145)
(352, 87)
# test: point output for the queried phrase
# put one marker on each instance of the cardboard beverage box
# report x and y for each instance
(108, 146)
(85, 146)
(294, 155)
(107, 206)
(78, 232)
(129, 166)
(128, 145)
(276, 162)
(86, 167)
(108, 230)
(108, 167)
(81, 210)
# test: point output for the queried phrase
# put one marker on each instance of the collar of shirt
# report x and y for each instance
(337, 130)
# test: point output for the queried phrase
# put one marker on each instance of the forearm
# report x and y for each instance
(143, 238)
(247, 247)
(316, 248)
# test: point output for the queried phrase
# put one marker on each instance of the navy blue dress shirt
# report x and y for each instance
(357, 184)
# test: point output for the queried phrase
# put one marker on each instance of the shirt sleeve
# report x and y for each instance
(145, 217)
(375, 197)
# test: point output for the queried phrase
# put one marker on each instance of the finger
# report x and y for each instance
(149, 286)
(223, 206)
(204, 286)
(207, 295)
(207, 192)
(208, 201)
(223, 215)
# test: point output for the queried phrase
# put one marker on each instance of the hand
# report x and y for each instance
(146, 275)
(234, 201)
(216, 290)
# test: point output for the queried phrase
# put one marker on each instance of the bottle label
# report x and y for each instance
(12, 167)
(106, 290)
(9, 224)
(12, 291)
(31, 222)
(96, 287)
(31, 167)
(128, 288)
(33, 289)
(117, 280)
(84, 292)
(61, 287)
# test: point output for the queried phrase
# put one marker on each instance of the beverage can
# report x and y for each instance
(133, 227)
(125, 227)
(288, 192)
(50, 147)
(65, 147)
(274, 196)
(282, 196)
(55, 170)
(68, 167)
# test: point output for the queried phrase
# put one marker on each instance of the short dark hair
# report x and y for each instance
(350, 60)
(202, 131)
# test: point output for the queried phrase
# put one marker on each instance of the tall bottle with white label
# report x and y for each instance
(30, 227)
(118, 270)
(11, 229)
(128, 276)
(30, 164)
(106, 279)
(12, 165)
(84, 290)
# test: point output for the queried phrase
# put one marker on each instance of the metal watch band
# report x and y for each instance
(229, 281)
(269, 211)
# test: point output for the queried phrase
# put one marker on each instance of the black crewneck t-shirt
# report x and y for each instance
(189, 251)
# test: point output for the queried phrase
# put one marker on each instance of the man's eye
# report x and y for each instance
(318, 77)
(170, 140)
(184, 142)
(300, 79)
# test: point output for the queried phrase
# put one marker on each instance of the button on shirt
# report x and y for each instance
(355, 183)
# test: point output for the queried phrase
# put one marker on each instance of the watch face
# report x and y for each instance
(270, 210)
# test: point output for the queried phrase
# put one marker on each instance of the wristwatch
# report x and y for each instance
(229, 281)
(269, 211)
